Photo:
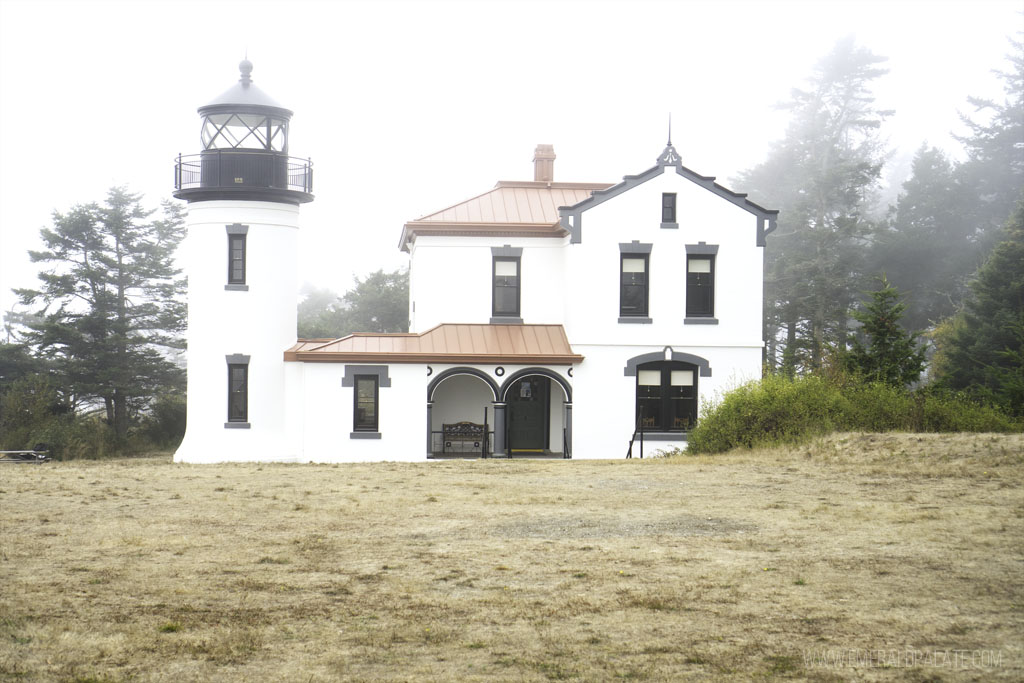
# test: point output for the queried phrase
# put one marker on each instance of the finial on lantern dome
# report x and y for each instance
(245, 67)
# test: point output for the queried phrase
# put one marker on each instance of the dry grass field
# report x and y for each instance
(877, 557)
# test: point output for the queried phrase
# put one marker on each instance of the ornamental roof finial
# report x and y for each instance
(245, 67)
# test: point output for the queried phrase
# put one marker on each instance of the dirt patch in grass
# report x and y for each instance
(862, 556)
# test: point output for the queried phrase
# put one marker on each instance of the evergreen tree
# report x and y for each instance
(881, 351)
(822, 177)
(112, 303)
(994, 170)
(982, 348)
(379, 303)
(929, 246)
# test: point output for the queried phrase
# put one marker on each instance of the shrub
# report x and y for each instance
(164, 426)
(773, 410)
(777, 410)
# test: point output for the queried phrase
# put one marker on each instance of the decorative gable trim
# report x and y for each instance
(571, 217)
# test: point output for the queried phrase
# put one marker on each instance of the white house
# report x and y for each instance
(547, 318)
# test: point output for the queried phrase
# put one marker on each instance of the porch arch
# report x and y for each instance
(566, 415)
(451, 372)
(544, 372)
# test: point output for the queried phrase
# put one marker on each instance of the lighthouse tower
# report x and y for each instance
(243, 192)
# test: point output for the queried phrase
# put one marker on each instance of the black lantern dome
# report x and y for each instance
(245, 151)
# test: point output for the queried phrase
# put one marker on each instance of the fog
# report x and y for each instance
(408, 107)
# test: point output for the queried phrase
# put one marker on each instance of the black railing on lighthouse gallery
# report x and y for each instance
(243, 170)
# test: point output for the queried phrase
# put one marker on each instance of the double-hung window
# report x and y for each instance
(633, 285)
(666, 396)
(366, 381)
(700, 286)
(505, 281)
(668, 209)
(634, 282)
(237, 257)
(238, 391)
(366, 402)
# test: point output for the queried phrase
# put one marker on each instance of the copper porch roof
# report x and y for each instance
(514, 344)
(512, 208)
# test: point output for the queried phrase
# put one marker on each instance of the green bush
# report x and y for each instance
(778, 410)
(164, 426)
(33, 413)
(774, 410)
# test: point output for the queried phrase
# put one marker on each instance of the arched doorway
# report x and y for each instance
(538, 413)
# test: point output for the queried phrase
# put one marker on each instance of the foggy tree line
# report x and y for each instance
(832, 240)
(90, 361)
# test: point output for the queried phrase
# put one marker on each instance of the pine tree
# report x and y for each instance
(881, 351)
(112, 303)
(982, 348)
(994, 170)
(822, 177)
(929, 246)
(377, 303)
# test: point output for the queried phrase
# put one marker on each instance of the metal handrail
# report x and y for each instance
(260, 169)
(638, 429)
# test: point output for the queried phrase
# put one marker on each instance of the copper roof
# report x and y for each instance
(511, 209)
(518, 344)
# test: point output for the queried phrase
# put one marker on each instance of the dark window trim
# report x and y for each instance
(666, 367)
(358, 429)
(510, 316)
(705, 251)
(668, 210)
(237, 233)
(238, 361)
(383, 381)
(634, 250)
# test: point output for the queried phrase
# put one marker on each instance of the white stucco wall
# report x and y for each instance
(450, 280)
(259, 323)
(327, 418)
(592, 267)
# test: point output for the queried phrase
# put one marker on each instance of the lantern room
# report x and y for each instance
(244, 154)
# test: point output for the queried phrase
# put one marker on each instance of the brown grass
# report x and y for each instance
(892, 552)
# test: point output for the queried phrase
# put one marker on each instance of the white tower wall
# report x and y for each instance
(259, 322)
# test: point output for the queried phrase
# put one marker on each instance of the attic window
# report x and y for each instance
(668, 210)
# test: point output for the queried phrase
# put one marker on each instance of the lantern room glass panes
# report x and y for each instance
(245, 131)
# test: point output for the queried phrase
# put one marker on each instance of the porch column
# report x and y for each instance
(430, 411)
(499, 429)
(568, 431)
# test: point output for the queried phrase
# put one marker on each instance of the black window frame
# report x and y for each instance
(668, 207)
(364, 426)
(517, 285)
(234, 279)
(645, 285)
(238, 395)
(700, 288)
(665, 408)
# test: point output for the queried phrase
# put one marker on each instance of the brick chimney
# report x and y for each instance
(544, 163)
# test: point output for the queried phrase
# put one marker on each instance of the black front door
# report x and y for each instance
(528, 401)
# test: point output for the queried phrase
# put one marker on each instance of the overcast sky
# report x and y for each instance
(408, 107)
